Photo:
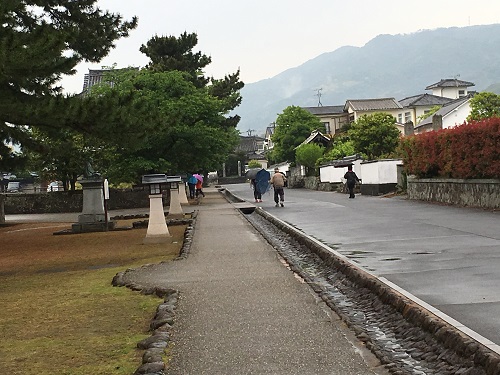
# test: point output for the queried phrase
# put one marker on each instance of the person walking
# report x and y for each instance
(278, 181)
(199, 189)
(351, 179)
(192, 185)
(256, 193)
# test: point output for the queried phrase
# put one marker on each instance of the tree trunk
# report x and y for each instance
(2, 208)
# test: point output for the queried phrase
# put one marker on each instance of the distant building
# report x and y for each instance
(418, 105)
(95, 76)
(449, 115)
(254, 148)
(333, 117)
(450, 88)
(268, 143)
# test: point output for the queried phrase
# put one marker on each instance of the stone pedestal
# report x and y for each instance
(182, 194)
(157, 226)
(93, 217)
(175, 209)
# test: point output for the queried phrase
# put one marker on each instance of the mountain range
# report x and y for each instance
(395, 66)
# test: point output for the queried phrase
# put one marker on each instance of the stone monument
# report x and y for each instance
(94, 217)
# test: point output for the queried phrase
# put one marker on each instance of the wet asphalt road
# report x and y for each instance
(447, 256)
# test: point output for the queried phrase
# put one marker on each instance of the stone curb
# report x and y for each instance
(155, 345)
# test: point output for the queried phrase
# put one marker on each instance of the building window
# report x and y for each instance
(407, 117)
(461, 93)
(400, 118)
(327, 127)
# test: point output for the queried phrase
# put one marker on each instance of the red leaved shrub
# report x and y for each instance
(471, 150)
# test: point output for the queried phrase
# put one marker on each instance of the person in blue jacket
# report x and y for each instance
(192, 185)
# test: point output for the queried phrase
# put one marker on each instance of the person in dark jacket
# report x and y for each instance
(351, 179)
(256, 193)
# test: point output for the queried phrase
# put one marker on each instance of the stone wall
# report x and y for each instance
(68, 201)
(471, 193)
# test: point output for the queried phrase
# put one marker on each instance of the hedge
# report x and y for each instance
(468, 151)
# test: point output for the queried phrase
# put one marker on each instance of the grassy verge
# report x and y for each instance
(60, 314)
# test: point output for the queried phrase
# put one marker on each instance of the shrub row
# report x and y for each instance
(471, 150)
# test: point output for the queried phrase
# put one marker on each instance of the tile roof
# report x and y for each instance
(248, 144)
(445, 110)
(423, 100)
(316, 137)
(372, 104)
(326, 110)
(450, 83)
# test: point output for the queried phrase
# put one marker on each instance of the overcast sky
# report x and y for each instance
(266, 37)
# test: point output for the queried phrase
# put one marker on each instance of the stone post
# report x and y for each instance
(157, 226)
(175, 209)
(182, 193)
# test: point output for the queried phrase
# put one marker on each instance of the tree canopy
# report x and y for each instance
(39, 42)
(293, 126)
(181, 125)
(375, 135)
(165, 117)
(484, 105)
(308, 155)
(342, 146)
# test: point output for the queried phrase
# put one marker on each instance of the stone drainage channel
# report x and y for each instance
(406, 338)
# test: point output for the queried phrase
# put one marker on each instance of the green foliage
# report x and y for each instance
(431, 111)
(179, 125)
(39, 42)
(293, 126)
(254, 164)
(484, 105)
(168, 53)
(231, 163)
(375, 136)
(342, 147)
(308, 154)
(467, 151)
(62, 154)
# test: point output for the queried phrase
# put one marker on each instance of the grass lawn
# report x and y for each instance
(59, 312)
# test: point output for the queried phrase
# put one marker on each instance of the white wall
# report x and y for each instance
(380, 171)
(457, 117)
(332, 174)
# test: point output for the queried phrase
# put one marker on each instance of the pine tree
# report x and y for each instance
(39, 42)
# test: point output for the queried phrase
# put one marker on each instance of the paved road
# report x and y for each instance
(447, 256)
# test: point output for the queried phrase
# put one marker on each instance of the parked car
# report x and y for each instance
(13, 187)
(55, 186)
